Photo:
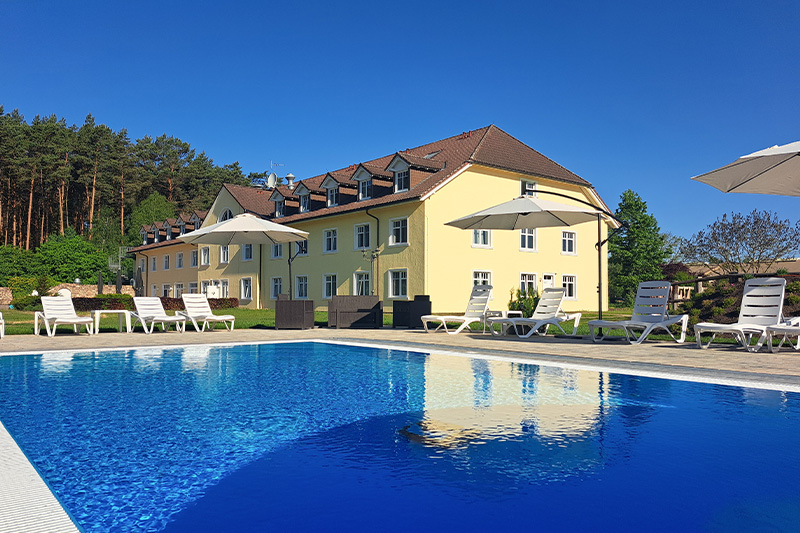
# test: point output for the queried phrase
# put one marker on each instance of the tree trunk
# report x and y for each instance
(62, 198)
(122, 204)
(30, 211)
(94, 185)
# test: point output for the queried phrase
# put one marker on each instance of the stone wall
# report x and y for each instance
(86, 291)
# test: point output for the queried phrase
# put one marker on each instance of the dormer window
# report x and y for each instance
(305, 201)
(168, 233)
(156, 235)
(226, 215)
(182, 229)
(280, 207)
(144, 237)
(333, 196)
(527, 188)
(365, 189)
(401, 180)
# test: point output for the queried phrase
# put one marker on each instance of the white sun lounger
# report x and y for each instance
(199, 311)
(56, 311)
(476, 312)
(150, 311)
(762, 306)
(547, 313)
(649, 314)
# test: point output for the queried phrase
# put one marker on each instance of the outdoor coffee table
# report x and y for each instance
(122, 313)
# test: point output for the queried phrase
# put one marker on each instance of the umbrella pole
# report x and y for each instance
(599, 268)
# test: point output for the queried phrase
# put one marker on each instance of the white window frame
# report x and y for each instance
(524, 237)
(178, 290)
(358, 276)
(392, 241)
(330, 286)
(166, 262)
(155, 290)
(481, 238)
(528, 188)
(301, 281)
(166, 288)
(481, 277)
(246, 289)
(332, 197)
(247, 252)
(528, 279)
(224, 254)
(204, 285)
(277, 251)
(402, 274)
(568, 237)
(330, 241)
(275, 289)
(298, 251)
(224, 288)
(205, 256)
(356, 236)
(305, 202)
(405, 177)
(227, 214)
(154, 264)
(178, 260)
(564, 284)
(194, 259)
(193, 288)
(365, 189)
(143, 264)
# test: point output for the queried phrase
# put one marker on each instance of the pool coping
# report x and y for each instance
(28, 505)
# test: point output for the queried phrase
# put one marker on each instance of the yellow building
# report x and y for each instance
(379, 227)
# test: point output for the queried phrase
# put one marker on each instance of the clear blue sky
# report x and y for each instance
(626, 94)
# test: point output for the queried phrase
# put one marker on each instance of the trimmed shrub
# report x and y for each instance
(523, 302)
(27, 303)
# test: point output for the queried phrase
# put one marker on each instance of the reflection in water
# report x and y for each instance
(147, 359)
(57, 362)
(195, 358)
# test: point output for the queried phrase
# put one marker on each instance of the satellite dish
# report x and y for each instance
(272, 179)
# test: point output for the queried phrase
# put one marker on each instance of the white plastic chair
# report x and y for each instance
(56, 311)
(762, 306)
(199, 310)
(150, 310)
(476, 312)
(649, 314)
(547, 313)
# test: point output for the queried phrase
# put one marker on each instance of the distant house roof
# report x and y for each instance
(489, 146)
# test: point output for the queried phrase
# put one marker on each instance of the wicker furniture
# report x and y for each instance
(408, 313)
(355, 312)
(293, 314)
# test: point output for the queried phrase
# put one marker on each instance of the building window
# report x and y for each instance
(527, 240)
(178, 290)
(224, 254)
(481, 238)
(166, 262)
(329, 286)
(361, 284)
(301, 247)
(301, 287)
(361, 236)
(193, 259)
(153, 264)
(280, 207)
(223, 288)
(142, 264)
(165, 289)
(333, 196)
(527, 188)
(204, 286)
(364, 189)
(398, 283)
(277, 288)
(304, 202)
(226, 215)
(179, 260)
(247, 252)
(277, 251)
(246, 289)
(398, 232)
(401, 181)
(570, 287)
(329, 244)
(192, 287)
(154, 291)
(205, 256)
(527, 283)
(568, 243)
(481, 277)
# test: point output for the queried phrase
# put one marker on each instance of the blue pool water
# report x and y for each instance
(313, 436)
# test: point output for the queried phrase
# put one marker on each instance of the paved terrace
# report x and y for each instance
(26, 504)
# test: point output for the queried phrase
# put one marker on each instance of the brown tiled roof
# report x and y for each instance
(489, 146)
(377, 171)
(154, 245)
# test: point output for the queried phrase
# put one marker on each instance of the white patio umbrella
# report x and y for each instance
(246, 228)
(527, 212)
(774, 170)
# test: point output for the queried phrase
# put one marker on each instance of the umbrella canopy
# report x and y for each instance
(775, 170)
(244, 229)
(526, 212)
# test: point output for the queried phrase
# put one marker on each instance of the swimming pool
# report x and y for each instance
(310, 436)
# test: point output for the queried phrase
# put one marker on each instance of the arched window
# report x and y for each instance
(227, 214)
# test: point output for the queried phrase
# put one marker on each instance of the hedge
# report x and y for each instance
(118, 301)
